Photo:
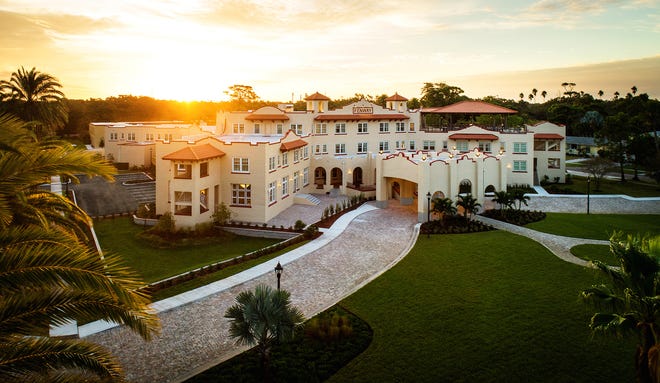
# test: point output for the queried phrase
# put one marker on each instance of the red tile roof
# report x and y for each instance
(317, 96)
(263, 117)
(286, 146)
(195, 153)
(396, 97)
(470, 107)
(359, 117)
(548, 136)
(473, 136)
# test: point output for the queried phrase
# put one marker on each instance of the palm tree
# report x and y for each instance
(444, 206)
(616, 95)
(35, 97)
(519, 196)
(630, 304)
(262, 317)
(522, 96)
(504, 199)
(25, 163)
(48, 275)
(469, 205)
(543, 94)
(634, 89)
(601, 93)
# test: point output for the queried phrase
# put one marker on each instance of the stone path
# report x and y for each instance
(194, 336)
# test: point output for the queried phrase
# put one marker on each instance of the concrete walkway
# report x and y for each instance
(358, 248)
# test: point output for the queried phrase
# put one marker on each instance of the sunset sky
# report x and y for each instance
(195, 49)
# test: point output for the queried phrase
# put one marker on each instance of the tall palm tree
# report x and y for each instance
(634, 89)
(49, 277)
(35, 97)
(444, 206)
(469, 204)
(630, 304)
(543, 94)
(25, 163)
(601, 93)
(262, 317)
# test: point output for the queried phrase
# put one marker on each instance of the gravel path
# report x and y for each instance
(194, 336)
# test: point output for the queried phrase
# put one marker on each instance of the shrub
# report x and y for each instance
(165, 226)
(222, 214)
(311, 231)
(299, 225)
(516, 217)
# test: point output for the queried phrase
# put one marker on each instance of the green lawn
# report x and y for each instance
(597, 226)
(119, 236)
(484, 307)
(594, 253)
(631, 188)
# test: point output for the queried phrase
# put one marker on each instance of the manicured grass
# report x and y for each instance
(119, 236)
(484, 307)
(631, 188)
(597, 226)
(218, 275)
(590, 252)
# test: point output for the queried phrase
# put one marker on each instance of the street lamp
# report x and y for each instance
(428, 214)
(278, 272)
(588, 192)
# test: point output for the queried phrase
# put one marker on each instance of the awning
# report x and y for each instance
(473, 137)
(548, 136)
(286, 146)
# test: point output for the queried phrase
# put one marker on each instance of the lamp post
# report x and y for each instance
(428, 214)
(278, 272)
(588, 192)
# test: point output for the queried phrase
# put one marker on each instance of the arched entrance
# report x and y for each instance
(319, 177)
(465, 187)
(336, 177)
(357, 177)
(489, 189)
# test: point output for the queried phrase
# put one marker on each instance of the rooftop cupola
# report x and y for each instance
(397, 102)
(317, 103)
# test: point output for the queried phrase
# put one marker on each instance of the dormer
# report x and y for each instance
(317, 103)
(397, 102)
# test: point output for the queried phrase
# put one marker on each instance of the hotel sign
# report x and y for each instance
(363, 110)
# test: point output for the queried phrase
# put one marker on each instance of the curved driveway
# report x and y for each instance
(194, 335)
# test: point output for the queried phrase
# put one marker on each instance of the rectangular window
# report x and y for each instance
(554, 146)
(553, 163)
(149, 137)
(182, 203)
(321, 128)
(203, 201)
(462, 146)
(520, 147)
(241, 195)
(444, 145)
(340, 128)
(362, 127)
(296, 181)
(400, 126)
(296, 155)
(428, 145)
(384, 146)
(271, 163)
(412, 126)
(167, 137)
(238, 128)
(324, 148)
(279, 128)
(411, 145)
(519, 166)
(306, 152)
(131, 137)
(285, 186)
(484, 146)
(257, 128)
(340, 149)
(272, 188)
(183, 171)
(400, 145)
(285, 159)
(203, 169)
(305, 176)
(384, 127)
(317, 149)
(241, 165)
(297, 129)
(113, 136)
(362, 147)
